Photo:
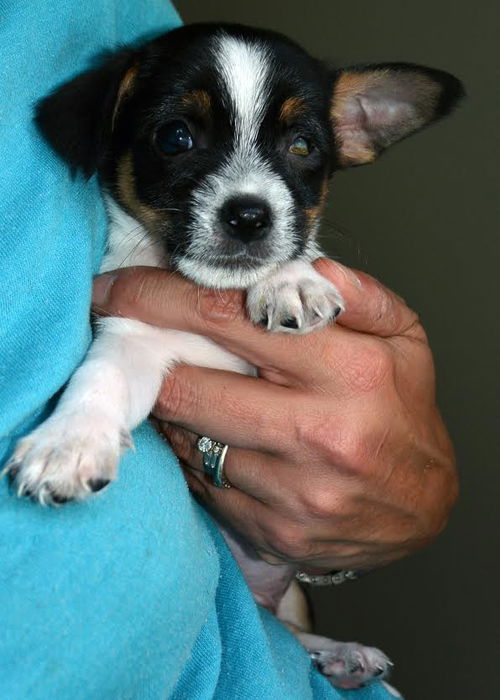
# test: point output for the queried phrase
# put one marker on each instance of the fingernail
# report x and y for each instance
(102, 288)
(348, 274)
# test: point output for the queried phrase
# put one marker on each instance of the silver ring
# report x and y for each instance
(335, 578)
(214, 454)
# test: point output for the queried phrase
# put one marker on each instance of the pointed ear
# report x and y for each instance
(374, 106)
(77, 119)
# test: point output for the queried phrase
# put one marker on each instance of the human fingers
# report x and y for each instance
(238, 410)
(255, 473)
(370, 306)
(165, 299)
(277, 537)
(272, 480)
(327, 505)
(168, 300)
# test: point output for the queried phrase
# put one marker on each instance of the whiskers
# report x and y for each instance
(168, 209)
(339, 241)
(145, 241)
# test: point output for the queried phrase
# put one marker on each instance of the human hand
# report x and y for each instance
(339, 458)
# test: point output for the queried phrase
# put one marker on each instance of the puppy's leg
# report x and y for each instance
(345, 664)
(294, 299)
(76, 451)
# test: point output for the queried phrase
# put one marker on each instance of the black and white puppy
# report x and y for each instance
(214, 145)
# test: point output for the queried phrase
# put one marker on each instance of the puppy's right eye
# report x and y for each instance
(174, 138)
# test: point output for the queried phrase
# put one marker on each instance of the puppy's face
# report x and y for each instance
(221, 139)
(225, 145)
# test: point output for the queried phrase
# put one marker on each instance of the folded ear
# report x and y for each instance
(374, 106)
(77, 118)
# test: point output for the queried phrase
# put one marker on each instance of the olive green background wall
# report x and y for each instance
(424, 219)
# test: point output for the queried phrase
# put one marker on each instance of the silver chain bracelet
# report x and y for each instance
(335, 578)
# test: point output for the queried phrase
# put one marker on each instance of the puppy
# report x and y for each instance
(214, 145)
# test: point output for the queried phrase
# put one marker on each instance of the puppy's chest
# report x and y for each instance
(129, 243)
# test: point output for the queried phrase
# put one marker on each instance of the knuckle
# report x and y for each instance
(196, 484)
(178, 398)
(319, 503)
(317, 434)
(128, 290)
(269, 558)
(410, 324)
(384, 308)
(216, 308)
(345, 449)
(361, 455)
(397, 315)
(437, 516)
(433, 528)
(178, 440)
(369, 366)
(421, 530)
(387, 307)
(328, 441)
(412, 321)
(292, 544)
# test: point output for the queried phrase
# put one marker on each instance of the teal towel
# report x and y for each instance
(133, 595)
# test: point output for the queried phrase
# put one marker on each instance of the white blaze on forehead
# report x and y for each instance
(244, 68)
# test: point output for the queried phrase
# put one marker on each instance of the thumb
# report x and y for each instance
(370, 307)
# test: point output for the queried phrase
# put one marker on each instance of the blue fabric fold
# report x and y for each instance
(132, 595)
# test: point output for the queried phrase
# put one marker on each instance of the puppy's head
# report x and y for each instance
(221, 139)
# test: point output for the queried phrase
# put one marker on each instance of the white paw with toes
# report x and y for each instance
(295, 299)
(67, 458)
(351, 665)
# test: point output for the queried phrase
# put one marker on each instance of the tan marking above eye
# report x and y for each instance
(199, 100)
(291, 108)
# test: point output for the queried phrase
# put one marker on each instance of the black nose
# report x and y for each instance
(246, 218)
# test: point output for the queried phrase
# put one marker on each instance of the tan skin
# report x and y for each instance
(339, 457)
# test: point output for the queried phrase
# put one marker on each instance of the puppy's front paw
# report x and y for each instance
(294, 299)
(351, 665)
(67, 458)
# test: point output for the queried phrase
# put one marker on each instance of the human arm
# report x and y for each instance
(339, 457)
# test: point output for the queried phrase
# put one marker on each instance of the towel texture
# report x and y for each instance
(133, 595)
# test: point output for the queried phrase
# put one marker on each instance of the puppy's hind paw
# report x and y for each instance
(351, 665)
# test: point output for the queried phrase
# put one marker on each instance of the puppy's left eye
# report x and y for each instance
(300, 147)
(174, 138)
